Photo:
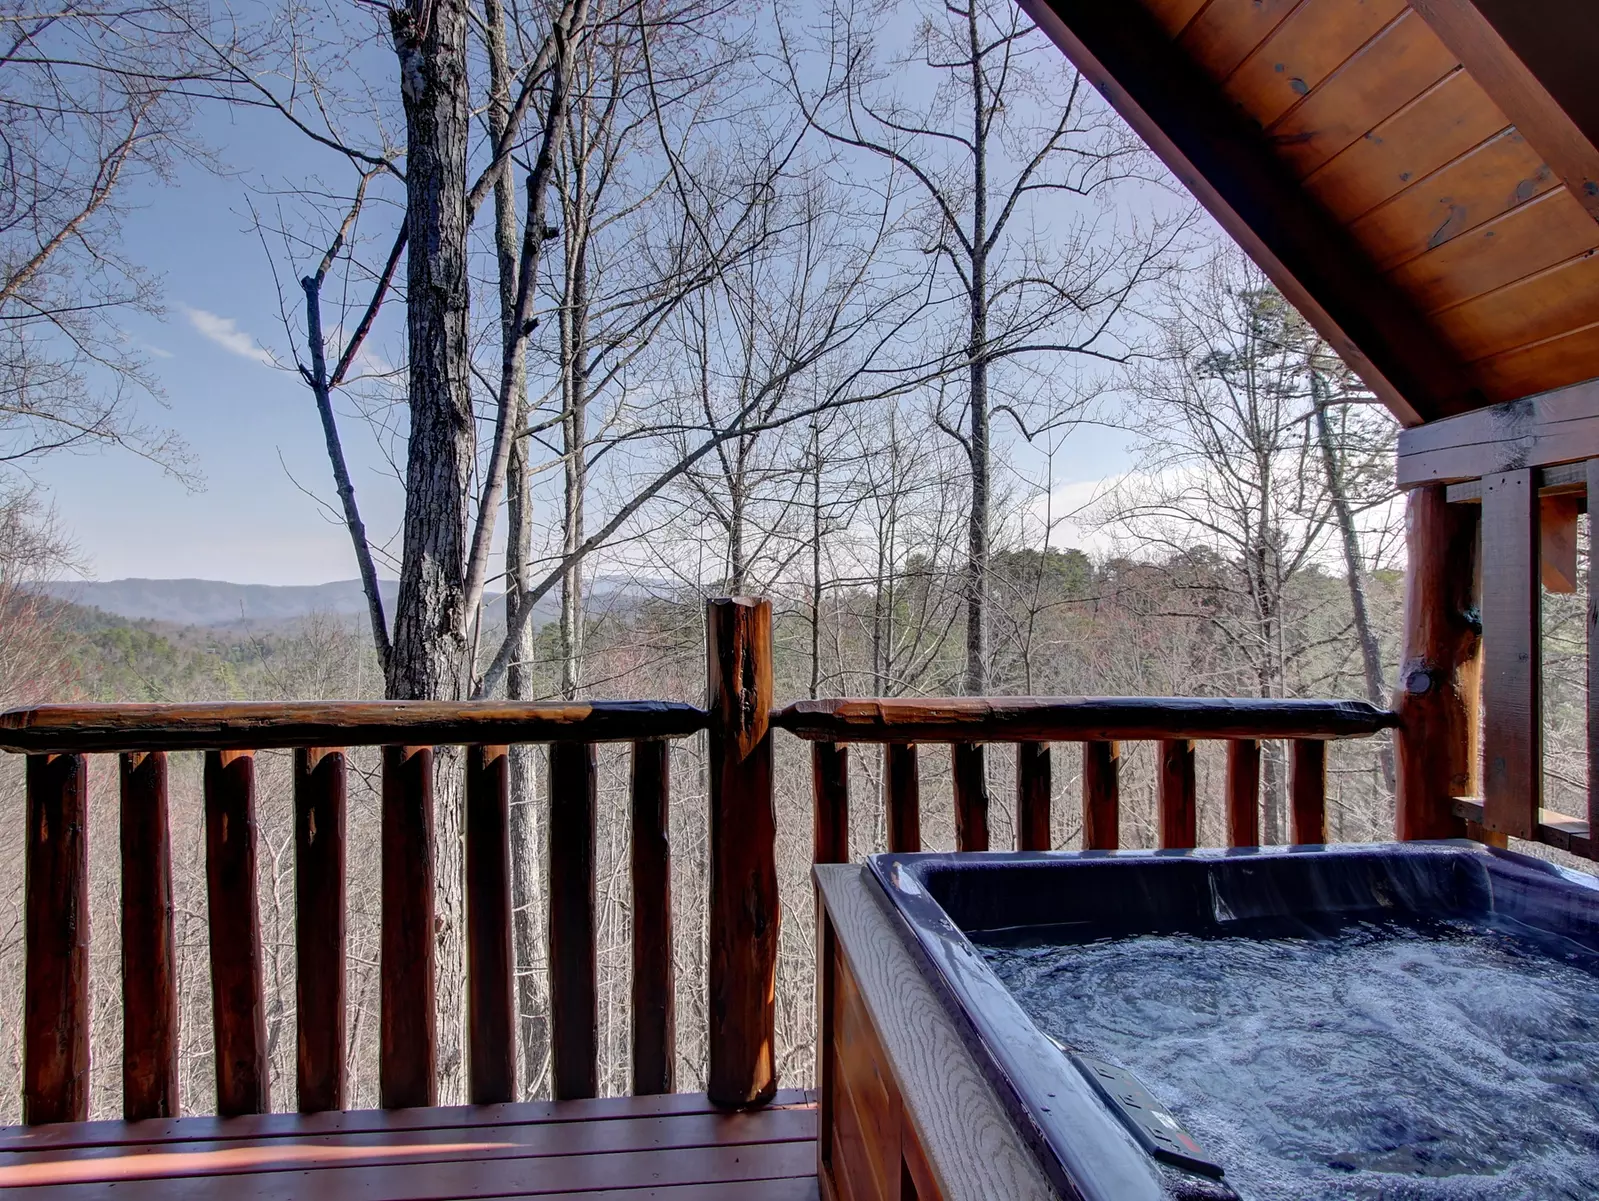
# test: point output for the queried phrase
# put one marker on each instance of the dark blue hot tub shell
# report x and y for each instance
(1082, 1145)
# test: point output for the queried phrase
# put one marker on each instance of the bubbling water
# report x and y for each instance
(1380, 1060)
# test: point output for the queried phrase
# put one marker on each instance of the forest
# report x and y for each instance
(876, 310)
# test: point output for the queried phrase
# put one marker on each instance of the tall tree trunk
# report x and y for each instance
(977, 547)
(527, 894)
(816, 559)
(1355, 571)
(428, 659)
(574, 376)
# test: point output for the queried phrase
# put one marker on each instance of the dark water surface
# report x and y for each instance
(1381, 1060)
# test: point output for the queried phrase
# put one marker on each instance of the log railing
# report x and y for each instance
(743, 910)
(1101, 724)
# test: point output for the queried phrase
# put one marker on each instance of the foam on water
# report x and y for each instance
(1383, 1060)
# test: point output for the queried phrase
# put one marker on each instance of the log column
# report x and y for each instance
(744, 907)
(1440, 674)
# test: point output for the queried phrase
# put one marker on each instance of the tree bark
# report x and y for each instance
(428, 658)
(977, 548)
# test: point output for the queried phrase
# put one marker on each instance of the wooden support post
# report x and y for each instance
(1101, 796)
(55, 996)
(1308, 792)
(491, 971)
(1177, 811)
(902, 784)
(971, 796)
(1593, 646)
(830, 802)
(1243, 792)
(1440, 674)
(1032, 796)
(1512, 685)
(744, 910)
(408, 1031)
(238, 1001)
(149, 955)
(654, 985)
(574, 993)
(319, 925)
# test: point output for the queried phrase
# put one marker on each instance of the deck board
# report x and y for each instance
(668, 1147)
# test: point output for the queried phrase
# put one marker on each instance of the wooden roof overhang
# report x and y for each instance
(1420, 178)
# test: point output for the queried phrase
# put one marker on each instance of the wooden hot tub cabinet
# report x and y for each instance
(905, 1113)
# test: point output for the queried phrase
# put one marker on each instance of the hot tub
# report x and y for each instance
(1408, 1020)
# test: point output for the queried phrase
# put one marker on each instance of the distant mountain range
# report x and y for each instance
(217, 603)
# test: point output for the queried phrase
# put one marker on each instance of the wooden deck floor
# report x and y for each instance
(670, 1148)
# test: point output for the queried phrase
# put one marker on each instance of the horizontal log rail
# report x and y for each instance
(1078, 719)
(274, 725)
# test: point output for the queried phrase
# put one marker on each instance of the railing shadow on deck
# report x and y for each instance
(738, 719)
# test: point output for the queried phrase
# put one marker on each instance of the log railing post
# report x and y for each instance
(408, 1026)
(830, 797)
(744, 911)
(238, 1001)
(491, 971)
(55, 1049)
(1032, 796)
(1243, 792)
(1440, 673)
(149, 956)
(1512, 677)
(574, 995)
(319, 925)
(902, 787)
(1101, 796)
(654, 985)
(971, 796)
(1308, 792)
(1178, 818)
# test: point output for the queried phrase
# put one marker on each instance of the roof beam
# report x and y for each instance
(1226, 162)
(1535, 59)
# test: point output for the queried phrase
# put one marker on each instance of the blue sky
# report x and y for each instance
(251, 426)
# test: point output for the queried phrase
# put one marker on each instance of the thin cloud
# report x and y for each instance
(225, 332)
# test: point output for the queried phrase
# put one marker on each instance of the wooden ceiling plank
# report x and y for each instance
(1390, 71)
(1554, 42)
(1546, 230)
(1531, 310)
(1488, 181)
(1173, 15)
(1317, 39)
(1434, 129)
(1221, 36)
(1557, 363)
(1227, 164)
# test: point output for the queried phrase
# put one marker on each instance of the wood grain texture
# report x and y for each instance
(55, 999)
(1592, 472)
(1243, 792)
(1431, 131)
(238, 1002)
(491, 970)
(1402, 62)
(744, 906)
(1307, 792)
(574, 995)
(654, 979)
(1179, 815)
(320, 932)
(902, 786)
(1558, 363)
(1101, 796)
(149, 956)
(1033, 785)
(1077, 719)
(1534, 309)
(970, 771)
(830, 801)
(276, 724)
(1232, 169)
(1557, 541)
(1559, 426)
(1440, 666)
(1224, 32)
(969, 1145)
(408, 1030)
(1512, 785)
